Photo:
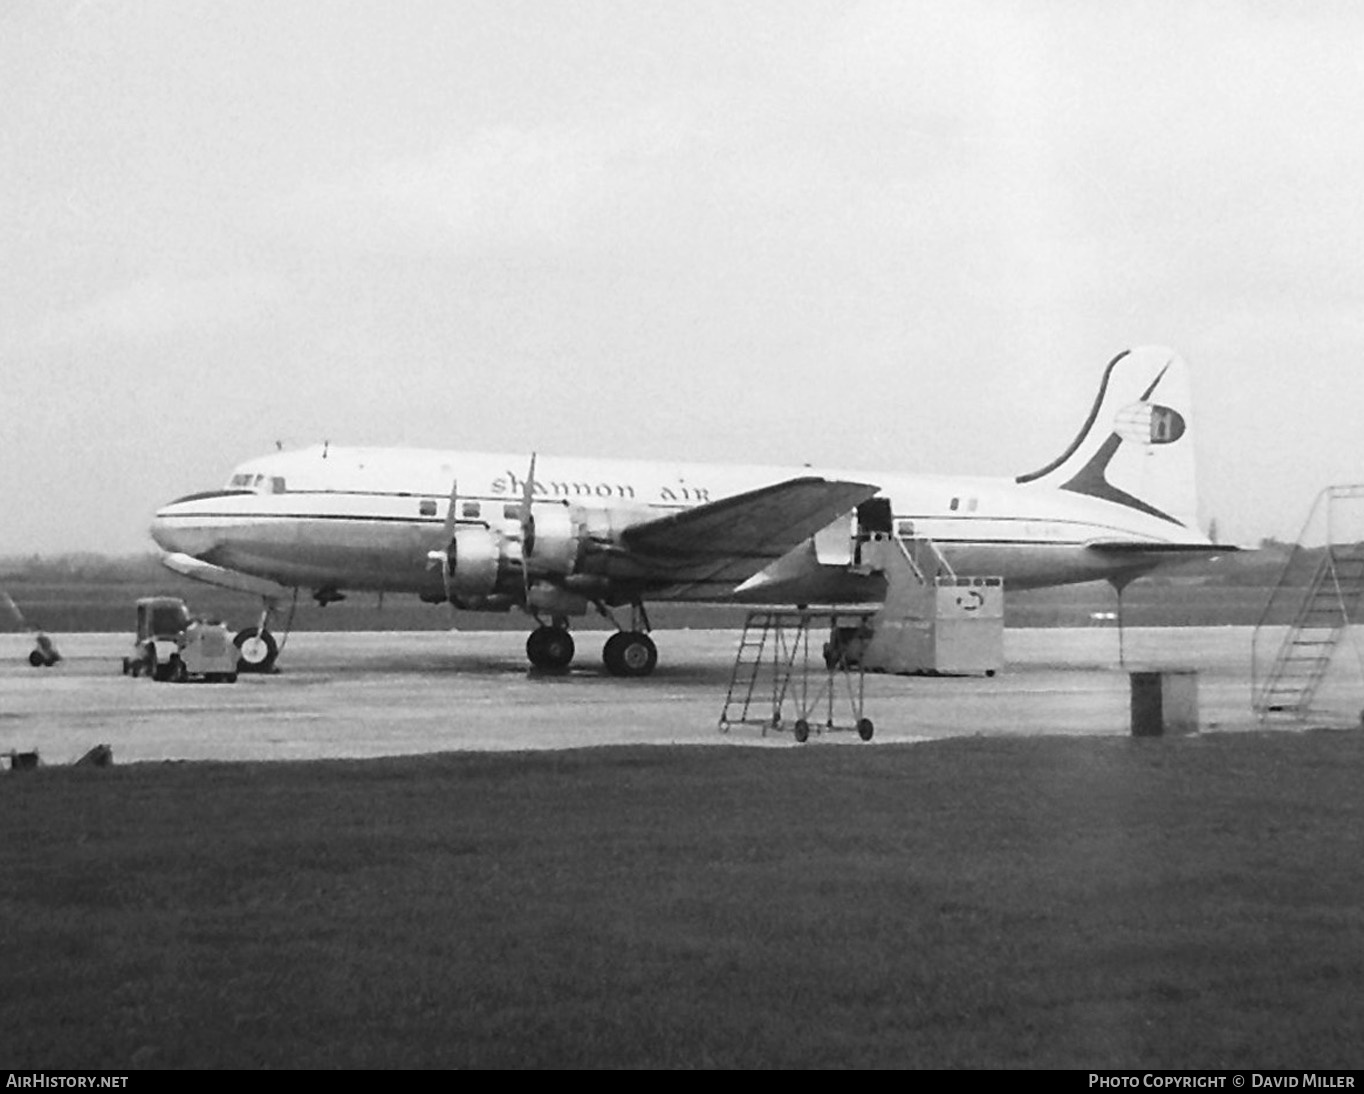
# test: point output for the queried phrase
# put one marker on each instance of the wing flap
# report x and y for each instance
(723, 543)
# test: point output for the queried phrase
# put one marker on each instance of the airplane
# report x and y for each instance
(554, 537)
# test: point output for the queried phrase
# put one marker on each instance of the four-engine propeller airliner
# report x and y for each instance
(555, 536)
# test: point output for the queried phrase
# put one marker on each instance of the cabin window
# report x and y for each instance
(470, 509)
(511, 512)
(971, 505)
(428, 508)
(277, 484)
(955, 502)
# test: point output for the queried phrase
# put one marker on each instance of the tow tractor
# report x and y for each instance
(172, 645)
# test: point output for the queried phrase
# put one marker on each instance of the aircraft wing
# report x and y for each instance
(717, 546)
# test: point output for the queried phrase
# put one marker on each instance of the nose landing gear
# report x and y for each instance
(256, 646)
(256, 650)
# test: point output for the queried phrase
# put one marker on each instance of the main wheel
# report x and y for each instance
(629, 653)
(550, 648)
(256, 650)
(802, 730)
(36, 659)
(865, 728)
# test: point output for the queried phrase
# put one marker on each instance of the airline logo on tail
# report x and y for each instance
(1155, 424)
(1149, 423)
(1139, 463)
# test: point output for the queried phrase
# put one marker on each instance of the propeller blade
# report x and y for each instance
(452, 513)
(442, 557)
(526, 514)
(527, 517)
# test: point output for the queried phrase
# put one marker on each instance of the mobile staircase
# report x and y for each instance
(1318, 593)
(933, 620)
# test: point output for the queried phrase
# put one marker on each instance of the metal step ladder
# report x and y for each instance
(775, 668)
(748, 666)
(1329, 606)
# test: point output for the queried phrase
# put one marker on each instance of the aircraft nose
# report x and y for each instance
(162, 533)
(178, 529)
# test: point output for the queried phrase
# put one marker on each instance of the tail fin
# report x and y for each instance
(1136, 447)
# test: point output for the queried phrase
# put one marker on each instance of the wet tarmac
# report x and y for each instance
(382, 694)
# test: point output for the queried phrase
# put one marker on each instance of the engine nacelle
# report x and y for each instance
(486, 565)
(475, 561)
(482, 562)
(556, 541)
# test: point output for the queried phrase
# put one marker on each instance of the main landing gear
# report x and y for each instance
(626, 653)
(629, 653)
(551, 647)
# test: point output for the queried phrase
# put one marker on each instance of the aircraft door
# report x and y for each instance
(873, 520)
(874, 517)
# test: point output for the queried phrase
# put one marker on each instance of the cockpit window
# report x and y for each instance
(262, 484)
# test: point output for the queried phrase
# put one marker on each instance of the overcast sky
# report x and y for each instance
(881, 235)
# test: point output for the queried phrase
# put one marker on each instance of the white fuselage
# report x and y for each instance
(357, 519)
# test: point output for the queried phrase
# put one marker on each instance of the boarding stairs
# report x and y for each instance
(933, 620)
(928, 564)
(1329, 604)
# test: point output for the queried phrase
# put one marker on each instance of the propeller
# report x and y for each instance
(527, 518)
(441, 558)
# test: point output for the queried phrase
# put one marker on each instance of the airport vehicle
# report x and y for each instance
(207, 653)
(161, 623)
(172, 645)
(557, 536)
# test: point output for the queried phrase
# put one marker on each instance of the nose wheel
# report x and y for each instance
(256, 650)
(629, 653)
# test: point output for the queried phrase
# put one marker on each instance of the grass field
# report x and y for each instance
(967, 903)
